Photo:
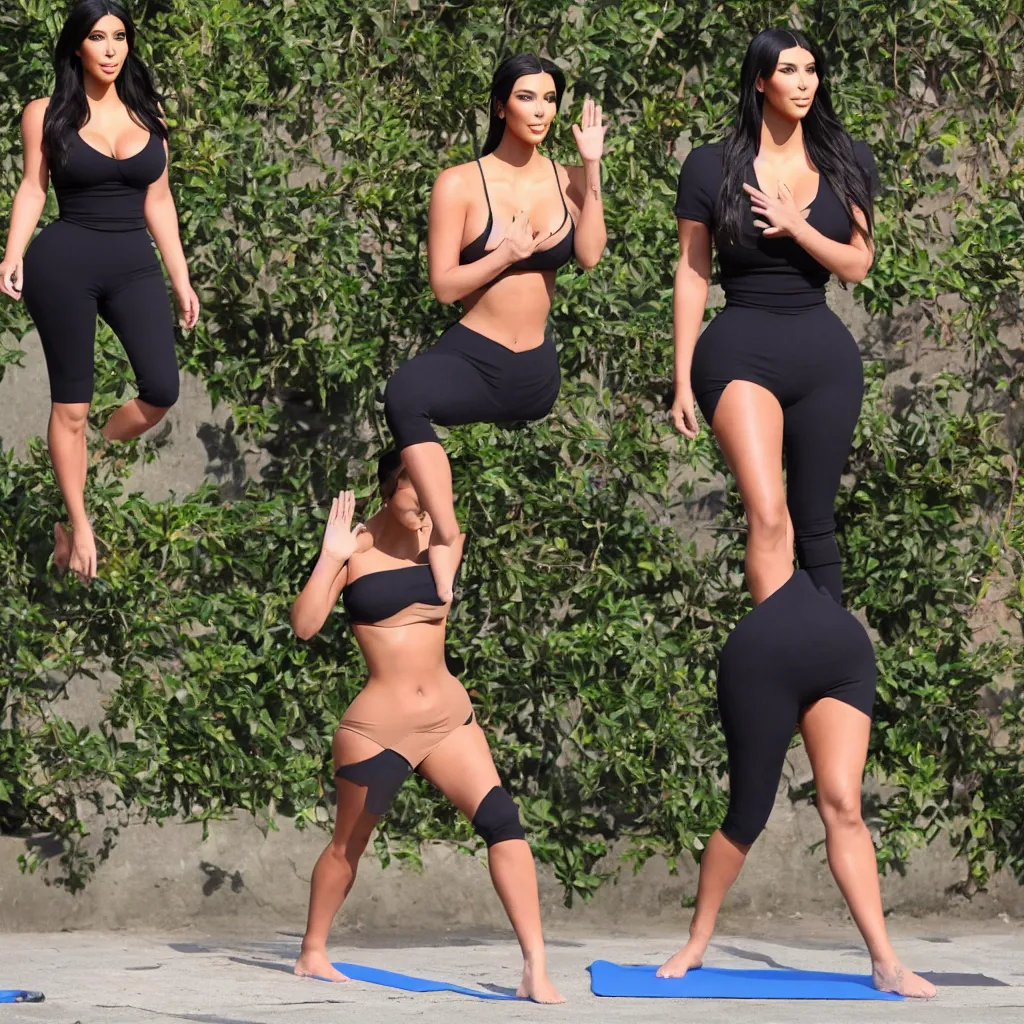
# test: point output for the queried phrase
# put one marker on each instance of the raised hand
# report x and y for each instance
(590, 132)
(12, 278)
(782, 217)
(339, 541)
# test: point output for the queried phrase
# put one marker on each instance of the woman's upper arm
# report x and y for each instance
(695, 247)
(37, 168)
(161, 188)
(446, 222)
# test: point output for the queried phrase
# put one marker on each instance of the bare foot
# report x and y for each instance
(689, 957)
(892, 976)
(61, 547)
(536, 986)
(444, 562)
(316, 965)
(83, 554)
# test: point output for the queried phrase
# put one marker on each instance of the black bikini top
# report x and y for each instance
(377, 596)
(552, 258)
(102, 192)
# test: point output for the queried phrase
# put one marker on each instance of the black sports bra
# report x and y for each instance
(552, 258)
(376, 596)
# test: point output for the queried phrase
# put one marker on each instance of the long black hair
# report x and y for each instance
(826, 140)
(69, 109)
(510, 69)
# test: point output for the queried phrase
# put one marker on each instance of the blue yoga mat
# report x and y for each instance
(608, 979)
(408, 983)
(19, 995)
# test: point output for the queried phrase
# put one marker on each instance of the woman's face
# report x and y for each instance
(791, 87)
(404, 505)
(104, 50)
(530, 108)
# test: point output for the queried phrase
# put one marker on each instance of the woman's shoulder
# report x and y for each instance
(707, 154)
(35, 110)
(704, 166)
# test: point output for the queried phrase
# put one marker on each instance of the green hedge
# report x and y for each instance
(307, 134)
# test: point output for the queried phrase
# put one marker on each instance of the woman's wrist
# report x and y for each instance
(331, 564)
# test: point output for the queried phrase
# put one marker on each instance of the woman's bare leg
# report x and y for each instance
(836, 737)
(135, 417)
(748, 426)
(463, 770)
(431, 474)
(65, 437)
(335, 871)
(720, 866)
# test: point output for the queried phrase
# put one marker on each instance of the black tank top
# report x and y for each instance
(103, 193)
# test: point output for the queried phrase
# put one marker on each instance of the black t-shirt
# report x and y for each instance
(757, 271)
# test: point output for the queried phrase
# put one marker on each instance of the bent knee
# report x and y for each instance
(841, 810)
(769, 522)
(159, 398)
(743, 831)
(404, 391)
(72, 416)
(497, 818)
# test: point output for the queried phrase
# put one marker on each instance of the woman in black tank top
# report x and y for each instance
(500, 229)
(102, 140)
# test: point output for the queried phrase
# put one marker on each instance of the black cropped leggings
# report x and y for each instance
(73, 273)
(809, 361)
(468, 378)
(796, 647)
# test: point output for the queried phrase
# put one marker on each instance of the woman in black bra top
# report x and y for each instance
(500, 228)
(412, 715)
(102, 140)
(786, 200)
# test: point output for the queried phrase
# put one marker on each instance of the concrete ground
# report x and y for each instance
(133, 978)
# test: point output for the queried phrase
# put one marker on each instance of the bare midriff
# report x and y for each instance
(512, 310)
(407, 660)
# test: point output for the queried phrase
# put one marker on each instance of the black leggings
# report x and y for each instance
(71, 274)
(468, 378)
(809, 361)
(796, 647)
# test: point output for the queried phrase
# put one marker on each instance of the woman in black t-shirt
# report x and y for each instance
(786, 198)
(777, 372)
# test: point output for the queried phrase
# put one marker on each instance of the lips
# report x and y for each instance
(109, 67)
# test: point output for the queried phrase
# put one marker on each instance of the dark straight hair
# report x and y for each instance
(504, 80)
(69, 108)
(828, 144)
